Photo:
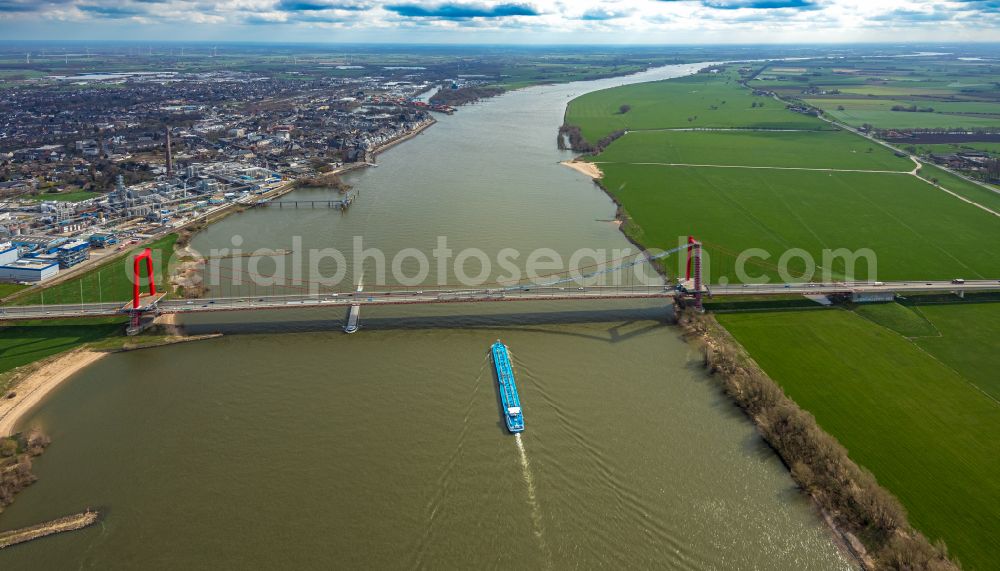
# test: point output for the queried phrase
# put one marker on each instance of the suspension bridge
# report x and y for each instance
(557, 287)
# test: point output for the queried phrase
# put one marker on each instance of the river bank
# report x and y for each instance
(34, 382)
(584, 167)
(869, 521)
(31, 384)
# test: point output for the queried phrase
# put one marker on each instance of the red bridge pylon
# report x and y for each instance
(694, 270)
(137, 308)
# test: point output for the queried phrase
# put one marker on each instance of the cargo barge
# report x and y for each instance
(509, 399)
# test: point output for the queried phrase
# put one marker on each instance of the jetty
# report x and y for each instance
(338, 203)
(60, 525)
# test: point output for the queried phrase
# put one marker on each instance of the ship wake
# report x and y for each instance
(536, 511)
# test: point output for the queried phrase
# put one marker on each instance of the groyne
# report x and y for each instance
(38, 531)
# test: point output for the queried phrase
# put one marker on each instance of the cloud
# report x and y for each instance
(508, 21)
(905, 16)
(462, 11)
(26, 6)
(318, 5)
(599, 14)
(759, 4)
(111, 11)
(986, 6)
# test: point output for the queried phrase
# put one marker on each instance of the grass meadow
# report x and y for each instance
(699, 101)
(77, 196)
(967, 339)
(910, 389)
(916, 231)
(962, 187)
(829, 149)
(878, 112)
(24, 342)
(927, 434)
(110, 281)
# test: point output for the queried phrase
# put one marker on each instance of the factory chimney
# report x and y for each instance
(170, 158)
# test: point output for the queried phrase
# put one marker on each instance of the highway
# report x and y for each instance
(520, 293)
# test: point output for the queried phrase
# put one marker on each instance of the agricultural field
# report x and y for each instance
(966, 339)
(923, 429)
(827, 149)
(940, 91)
(906, 388)
(990, 147)
(110, 281)
(915, 230)
(964, 188)
(704, 100)
(880, 113)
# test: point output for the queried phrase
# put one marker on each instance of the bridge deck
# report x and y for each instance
(146, 302)
(527, 293)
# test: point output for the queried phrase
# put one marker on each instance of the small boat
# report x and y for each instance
(509, 399)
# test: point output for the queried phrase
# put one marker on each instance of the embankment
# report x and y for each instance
(868, 518)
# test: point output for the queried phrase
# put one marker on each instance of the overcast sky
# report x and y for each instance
(531, 21)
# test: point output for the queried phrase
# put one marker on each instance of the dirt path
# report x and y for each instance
(40, 382)
(759, 167)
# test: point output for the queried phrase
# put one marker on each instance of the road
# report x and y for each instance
(525, 293)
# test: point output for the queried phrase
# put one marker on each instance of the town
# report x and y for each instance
(138, 154)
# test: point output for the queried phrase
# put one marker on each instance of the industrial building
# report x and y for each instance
(73, 253)
(28, 270)
(103, 240)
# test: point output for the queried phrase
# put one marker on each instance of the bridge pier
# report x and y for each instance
(354, 314)
(694, 271)
(140, 321)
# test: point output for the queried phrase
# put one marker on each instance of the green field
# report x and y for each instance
(878, 112)
(916, 231)
(926, 433)
(65, 196)
(111, 281)
(906, 388)
(856, 91)
(967, 340)
(902, 319)
(992, 148)
(962, 187)
(828, 149)
(28, 341)
(703, 100)
(8, 289)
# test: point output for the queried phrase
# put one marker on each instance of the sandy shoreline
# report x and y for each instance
(589, 169)
(38, 383)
